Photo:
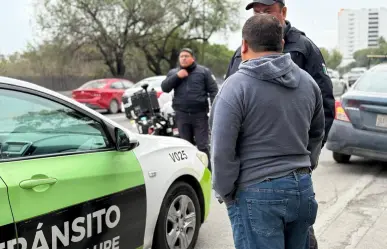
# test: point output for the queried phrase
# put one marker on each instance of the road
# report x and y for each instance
(352, 206)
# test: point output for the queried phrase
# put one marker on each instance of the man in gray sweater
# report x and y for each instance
(267, 126)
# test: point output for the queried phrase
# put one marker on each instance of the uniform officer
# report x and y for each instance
(305, 54)
(193, 84)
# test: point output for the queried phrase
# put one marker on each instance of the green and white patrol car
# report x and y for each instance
(72, 178)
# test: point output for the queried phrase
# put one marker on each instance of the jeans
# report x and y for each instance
(274, 214)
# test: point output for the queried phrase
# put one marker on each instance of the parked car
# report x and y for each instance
(71, 177)
(153, 82)
(340, 86)
(102, 93)
(355, 74)
(360, 125)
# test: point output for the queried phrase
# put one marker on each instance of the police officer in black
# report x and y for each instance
(193, 85)
(305, 54)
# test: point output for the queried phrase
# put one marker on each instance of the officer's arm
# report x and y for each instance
(171, 81)
(315, 66)
(212, 87)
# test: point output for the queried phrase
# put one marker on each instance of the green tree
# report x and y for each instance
(110, 25)
(216, 57)
(332, 58)
(325, 54)
(184, 26)
(335, 58)
(156, 27)
(361, 58)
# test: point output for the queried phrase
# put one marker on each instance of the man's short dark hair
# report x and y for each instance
(263, 33)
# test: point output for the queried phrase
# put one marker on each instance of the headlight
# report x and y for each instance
(203, 158)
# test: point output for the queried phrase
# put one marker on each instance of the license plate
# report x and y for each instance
(381, 121)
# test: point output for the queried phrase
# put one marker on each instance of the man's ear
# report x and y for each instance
(284, 12)
(244, 50)
(244, 47)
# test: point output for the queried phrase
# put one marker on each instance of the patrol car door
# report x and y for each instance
(7, 226)
(68, 186)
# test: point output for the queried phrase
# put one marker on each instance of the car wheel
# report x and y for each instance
(341, 158)
(113, 107)
(179, 219)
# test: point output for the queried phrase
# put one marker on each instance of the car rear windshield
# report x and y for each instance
(373, 82)
(93, 84)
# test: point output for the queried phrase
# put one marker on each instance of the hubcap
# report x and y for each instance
(181, 223)
(114, 106)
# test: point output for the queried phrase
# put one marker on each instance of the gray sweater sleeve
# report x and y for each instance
(317, 131)
(225, 122)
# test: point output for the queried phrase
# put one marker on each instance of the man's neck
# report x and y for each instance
(260, 54)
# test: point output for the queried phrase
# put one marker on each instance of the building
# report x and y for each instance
(360, 28)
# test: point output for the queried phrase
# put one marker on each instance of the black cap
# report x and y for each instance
(188, 50)
(265, 2)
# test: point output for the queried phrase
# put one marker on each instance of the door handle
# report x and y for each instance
(32, 183)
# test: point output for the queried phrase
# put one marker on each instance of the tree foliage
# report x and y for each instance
(361, 58)
(332, 58)
(158, 28)
(55, 60)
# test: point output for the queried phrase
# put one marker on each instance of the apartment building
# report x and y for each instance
(360, 28)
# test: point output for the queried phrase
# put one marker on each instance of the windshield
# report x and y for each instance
(373, 82)
(153, 82)
(95, 84)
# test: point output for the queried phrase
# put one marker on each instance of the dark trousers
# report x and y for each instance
(194, 128)
(312, 239)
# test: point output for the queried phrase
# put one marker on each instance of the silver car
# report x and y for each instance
(360, 125)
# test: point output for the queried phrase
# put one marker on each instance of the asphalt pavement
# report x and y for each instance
(352, 205)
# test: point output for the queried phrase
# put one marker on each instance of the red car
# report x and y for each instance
(102, 94)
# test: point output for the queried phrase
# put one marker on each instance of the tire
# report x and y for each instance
(341, 158)
(178, 192)
(113, 107)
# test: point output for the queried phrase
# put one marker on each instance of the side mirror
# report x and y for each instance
(123, 143)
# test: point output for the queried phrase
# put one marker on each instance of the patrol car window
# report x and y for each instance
(34, 126)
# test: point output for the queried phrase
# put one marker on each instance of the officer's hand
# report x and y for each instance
(182, 73)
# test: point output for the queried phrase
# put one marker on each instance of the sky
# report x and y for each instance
(317, 18)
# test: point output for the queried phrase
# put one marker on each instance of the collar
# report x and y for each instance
(190, 68)
(291, 34)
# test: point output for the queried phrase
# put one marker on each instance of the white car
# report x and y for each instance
(340, 86)
(154, 82)
(72, 178)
